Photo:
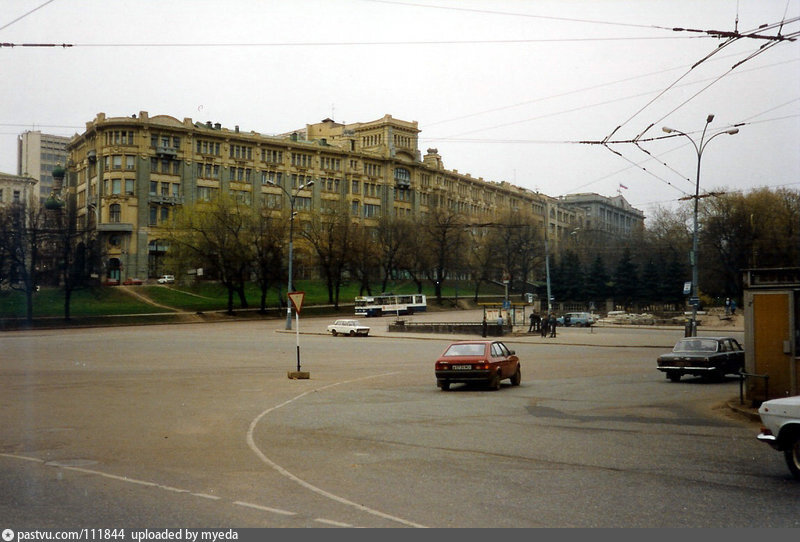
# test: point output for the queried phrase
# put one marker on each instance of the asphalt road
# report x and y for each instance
(197, 425)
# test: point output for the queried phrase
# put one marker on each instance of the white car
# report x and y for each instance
(348, 327)
(781, 429)
(166, 279)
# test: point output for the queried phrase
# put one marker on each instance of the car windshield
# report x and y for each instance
(696, 345)
(465, 350)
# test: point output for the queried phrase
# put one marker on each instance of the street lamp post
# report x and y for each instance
(547, 271)
(292, 198)
(699, 148)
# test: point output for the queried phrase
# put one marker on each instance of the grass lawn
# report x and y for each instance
(202, 296)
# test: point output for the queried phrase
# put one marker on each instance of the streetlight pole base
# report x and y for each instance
(299, 375)
(288, 316)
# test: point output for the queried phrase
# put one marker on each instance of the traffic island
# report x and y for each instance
(299, 375)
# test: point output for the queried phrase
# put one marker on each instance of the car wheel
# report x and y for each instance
(494, 383)
(792, 455)
(674, 376)
(444, 385)
(333, 332)
(517, 377)
(352, 333)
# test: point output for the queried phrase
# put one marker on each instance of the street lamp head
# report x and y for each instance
(309, 183)
(709, 118)
(271, 182)
(732, 131)
(667, 130)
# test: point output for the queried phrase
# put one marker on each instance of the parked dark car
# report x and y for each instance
(482, 361)
(710, 357)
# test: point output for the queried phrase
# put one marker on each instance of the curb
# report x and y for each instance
(749, 412)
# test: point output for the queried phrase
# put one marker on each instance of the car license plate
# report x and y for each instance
(462, 367)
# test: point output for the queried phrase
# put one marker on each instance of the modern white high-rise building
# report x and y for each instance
(37, 155)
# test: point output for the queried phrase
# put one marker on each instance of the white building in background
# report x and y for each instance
(37, 155)
(17, 189)
(609, 215)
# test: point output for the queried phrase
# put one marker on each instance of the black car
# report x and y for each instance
(711, 357)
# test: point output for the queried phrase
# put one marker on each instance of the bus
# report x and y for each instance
(390, 304)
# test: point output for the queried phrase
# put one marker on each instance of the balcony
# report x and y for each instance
(166, 152)
(165, 200)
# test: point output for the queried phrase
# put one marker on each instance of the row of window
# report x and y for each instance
(119, 137)
(158, 214)
(167, 166)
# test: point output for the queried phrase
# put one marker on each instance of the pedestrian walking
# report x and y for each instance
(727, 306)
(545, 325)
(733, 307)
(536, 321)
(552, 323)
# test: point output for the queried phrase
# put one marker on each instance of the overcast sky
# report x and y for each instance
(506, 90)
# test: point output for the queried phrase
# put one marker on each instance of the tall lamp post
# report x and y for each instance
(292, 198)
(699, 148)
(547, 270)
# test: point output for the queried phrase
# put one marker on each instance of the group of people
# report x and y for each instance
(547, 325)
(730, 306)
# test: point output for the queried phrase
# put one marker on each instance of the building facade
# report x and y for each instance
(37, 155)
(17, 189)
(129, 174)
(613, 216)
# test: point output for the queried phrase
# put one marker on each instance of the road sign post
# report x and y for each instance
(296, 298)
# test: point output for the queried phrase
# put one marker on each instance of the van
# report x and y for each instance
(577, 319)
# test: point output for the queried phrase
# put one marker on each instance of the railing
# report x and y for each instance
(743, 376)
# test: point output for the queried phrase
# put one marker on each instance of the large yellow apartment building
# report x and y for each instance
(129, 174)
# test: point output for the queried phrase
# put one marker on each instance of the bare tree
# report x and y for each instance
(23, 235)
(443, 232)
(215, 235)
(268, 233)
(330, 236)
(394, 237)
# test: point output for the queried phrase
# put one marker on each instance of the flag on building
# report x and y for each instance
(623, 186)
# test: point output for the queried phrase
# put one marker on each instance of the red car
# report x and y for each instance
(481, 361)
(132, 281)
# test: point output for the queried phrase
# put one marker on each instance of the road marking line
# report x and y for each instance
(331, 522)
(142, 482)
(265, 508)
(307, 485)
(207, 496)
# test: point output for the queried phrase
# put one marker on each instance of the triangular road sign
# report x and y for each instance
(297, 299)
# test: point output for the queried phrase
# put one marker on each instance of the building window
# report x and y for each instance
(371, 211)
(205, 193)
(354, 206)
(153, 188)
(268, 177)
(175, 190)
(301, 160)
(164, 214)
(241, 152)
(129, 184)
(153, 215)
(115, 213)
(130, 162)
(355, 187)
(116, 186)
(272, 156)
